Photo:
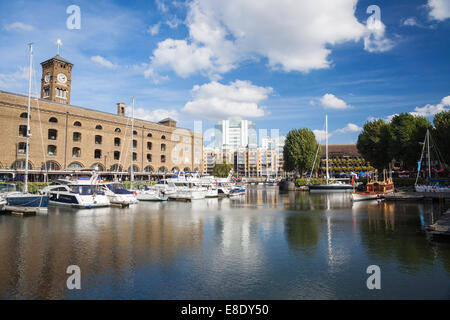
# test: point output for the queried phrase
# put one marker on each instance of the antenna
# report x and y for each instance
(58, 44)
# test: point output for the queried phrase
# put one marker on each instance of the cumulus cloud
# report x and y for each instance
(291, 35)
(321, 135)
(18, 26)
(8, 80)
(410, 22)
(439, 9)
(350, 127)
(430, 110)
(153, 115)
(154, 30)
(218, 101)
(103, 62)
(332, 102)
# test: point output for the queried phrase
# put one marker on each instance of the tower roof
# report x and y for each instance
(58, 58)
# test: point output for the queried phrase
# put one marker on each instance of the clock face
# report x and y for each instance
(62, 78)
(47, 78)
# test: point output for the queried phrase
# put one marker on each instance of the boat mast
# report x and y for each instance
(429, 158)
(28, 121)
(326, 144)
(132, 145)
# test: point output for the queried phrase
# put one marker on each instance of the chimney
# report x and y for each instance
(121, 109)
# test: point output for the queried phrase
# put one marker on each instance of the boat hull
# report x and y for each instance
(36, 201)
(330, 187)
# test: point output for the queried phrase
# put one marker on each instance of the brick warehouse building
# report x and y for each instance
(74, 138)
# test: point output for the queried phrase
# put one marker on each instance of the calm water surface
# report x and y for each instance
(267, 245)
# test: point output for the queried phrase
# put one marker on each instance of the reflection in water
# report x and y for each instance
(267, 245)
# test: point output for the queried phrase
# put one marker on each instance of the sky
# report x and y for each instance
(281, 64)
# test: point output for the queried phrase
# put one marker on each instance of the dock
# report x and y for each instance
(24, 211)
(120, 204)
(441, 228)
(414, 196)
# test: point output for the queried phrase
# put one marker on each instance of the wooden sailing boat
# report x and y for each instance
(376, 189)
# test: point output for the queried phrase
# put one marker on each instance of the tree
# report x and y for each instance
(441, 134)
(408, 132)
(373, 143)
(222, 169)
(299, 151)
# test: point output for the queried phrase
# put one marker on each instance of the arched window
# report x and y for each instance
(76, 137)
(116, 155)
(117, 142)
(98, 127)
(148, 169)
(51, 165)
(116, 167)
(24, 115)
(186, 169)
(163, 147)
(163, 137)
(98, 167)
(163, 158)
(22, 131)
(21, 147)
(20, 165)
(134, 132)
(98, 139)
(134, 156)
(75, 165)
(149, 157)
(117, 130)
(134, 144)
(53, 119)
(175, 169)
(149, 146)
(162, 170)
(51, 150)
(97, 154)
(135, 169)
(76, 152)
(149, 135)
(52, 134)
(77, 124)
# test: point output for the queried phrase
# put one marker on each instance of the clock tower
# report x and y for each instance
(56, 79)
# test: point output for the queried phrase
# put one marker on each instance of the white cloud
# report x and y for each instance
(218, 101)
(410, 22)
(154, 30)
(439, 9)
(350, 127)
(292, 35)
(153, 115)
(321, 135)
(332, 102)
(13, 79)
(161, 5)
(430, 110)
(18, 26)
(375, 40)
(103, 62)
(173, 23)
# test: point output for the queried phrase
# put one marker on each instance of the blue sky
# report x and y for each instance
(280, 64)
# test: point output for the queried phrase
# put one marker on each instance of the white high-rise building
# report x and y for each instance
(235, 133)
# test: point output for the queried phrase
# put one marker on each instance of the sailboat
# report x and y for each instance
(329, 186)
(435, 185)
(19, 198)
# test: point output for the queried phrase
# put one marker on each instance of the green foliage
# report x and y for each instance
(441, 134)
(222, 169)
(299, 151)
(373, 143)
(304, 182)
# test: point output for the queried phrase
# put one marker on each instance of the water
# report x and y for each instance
(268, 245)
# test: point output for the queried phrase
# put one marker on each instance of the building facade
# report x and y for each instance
(235, 133)
(342, 158)
(67, 137)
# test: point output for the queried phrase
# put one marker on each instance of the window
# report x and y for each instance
(149, 146)
(77, 124)
(149, 157)
(46, 92)
(50, 165)
(163, 137)
(148, 169)
(24, 115)
(134, 144)
(76, 137)
(51, 150)
(116, 155)
(116, 167)
(23, 131)
(76, 152)
(52, 134)
(163, 147)
(117, 130)
(149, 135)
(98, 167)
(98, 139)
(75, 165)
(53, 119)
(134, 156)
(22, 147)
(97, 154)
(98, 127)
(61, 93)
(163, 158)
(134, 132)
(20, 164)
(117, 142)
